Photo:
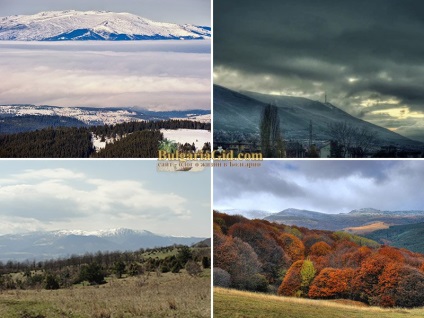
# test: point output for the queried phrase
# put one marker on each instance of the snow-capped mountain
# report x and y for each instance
(63, 243)
(94, 25)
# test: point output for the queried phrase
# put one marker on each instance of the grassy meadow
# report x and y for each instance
(240, 304)
(148, 295)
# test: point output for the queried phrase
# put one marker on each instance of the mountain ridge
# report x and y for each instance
(43, 245)
(240, 113)
(341, 221)
(72, 25)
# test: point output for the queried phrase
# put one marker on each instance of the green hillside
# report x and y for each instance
(403, 236)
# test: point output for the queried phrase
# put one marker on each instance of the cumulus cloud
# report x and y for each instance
(58, 195)
(155, 76)
(352, 50)
(325, 186)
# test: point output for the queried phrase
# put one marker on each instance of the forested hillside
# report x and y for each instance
(408, 236)
(133, 139)
(294, 261)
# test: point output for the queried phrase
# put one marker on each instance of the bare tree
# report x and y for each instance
(350, 137)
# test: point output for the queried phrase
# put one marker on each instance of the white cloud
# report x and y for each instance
(55, 195)
(58, 173)
(149, 75)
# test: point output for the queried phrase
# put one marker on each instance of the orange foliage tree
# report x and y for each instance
(292, 281)
(320, 249)
(293, 246)
(332, 283)
(260, 237)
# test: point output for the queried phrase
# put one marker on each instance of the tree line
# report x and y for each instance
(94, 268)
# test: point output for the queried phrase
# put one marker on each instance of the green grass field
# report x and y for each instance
(167, 295)
(239, 304)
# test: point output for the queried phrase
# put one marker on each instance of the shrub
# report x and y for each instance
(221, 278)
(51, 282)
(206, 262)
(92, 273)
(258, 283)
(192, 268)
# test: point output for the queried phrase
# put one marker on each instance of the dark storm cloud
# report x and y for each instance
(326, 186)
(347, 48)
(268, 181)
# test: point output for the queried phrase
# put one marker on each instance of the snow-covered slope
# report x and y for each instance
(198, 137)
(93, 25)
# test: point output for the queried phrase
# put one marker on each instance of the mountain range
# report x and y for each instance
(94, 25)
(343, 221)
(240, 113)
(42, 245)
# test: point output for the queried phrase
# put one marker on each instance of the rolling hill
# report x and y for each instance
(341, 221)
(240, 112)
(74, 25)
(407, 236)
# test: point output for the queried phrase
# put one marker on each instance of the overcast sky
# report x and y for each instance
(367, 55)
(322, 186)
(102, 194)
(180, 11)
(155, 75)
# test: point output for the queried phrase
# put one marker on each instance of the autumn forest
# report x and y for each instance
(273, 258)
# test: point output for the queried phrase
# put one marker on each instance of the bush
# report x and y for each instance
(193, 268)
(257, 283)
(176, 268)
(221, 278)
(92, 273)
(206, 262)
(51, 282)
(119, 268)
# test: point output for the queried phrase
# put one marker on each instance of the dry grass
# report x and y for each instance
(234, 303)
(170, 295)
(368, 228)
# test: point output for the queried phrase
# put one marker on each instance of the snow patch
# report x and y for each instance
(197, 136)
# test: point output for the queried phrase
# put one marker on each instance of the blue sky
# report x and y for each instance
(330, 186)
(176, 11)
(95, 195)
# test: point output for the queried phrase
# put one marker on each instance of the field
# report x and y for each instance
(233, 303)
(197, 136)
(149, 295)
(367, 228)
